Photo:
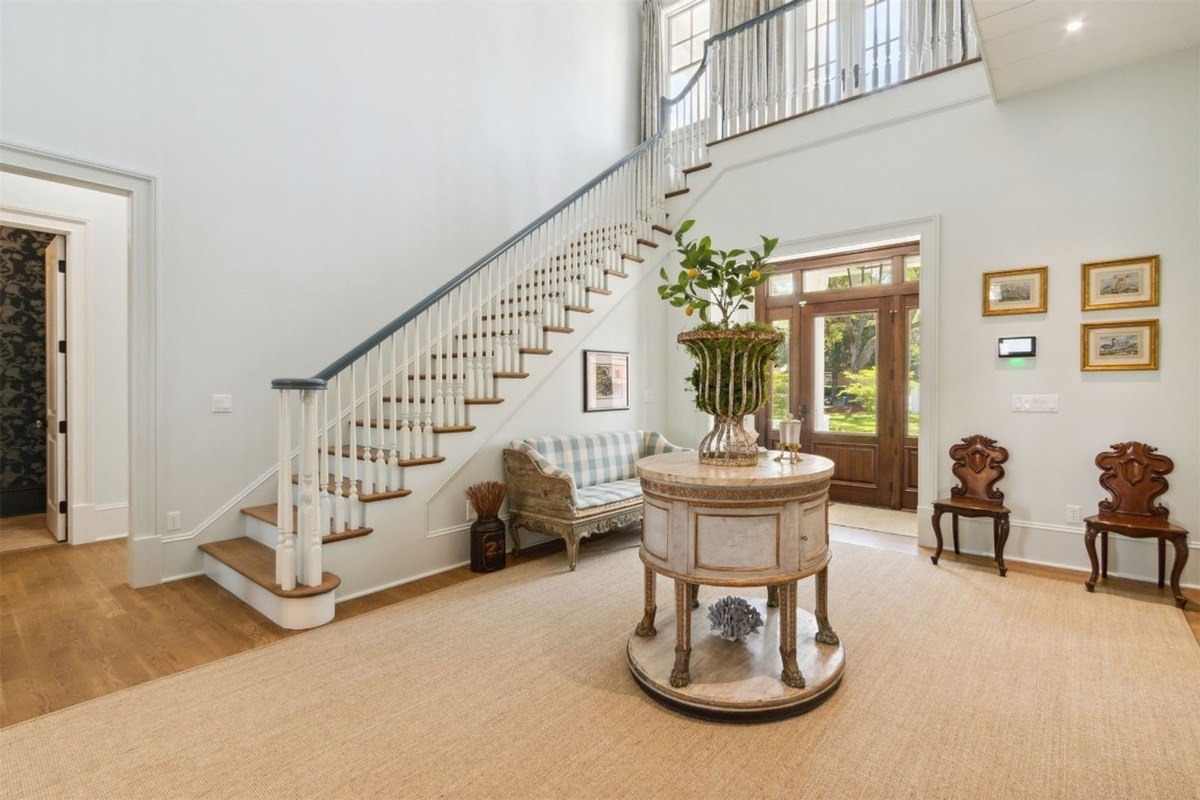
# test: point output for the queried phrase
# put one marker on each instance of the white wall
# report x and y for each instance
(321, 166)
(1102, 168)
(98, 401)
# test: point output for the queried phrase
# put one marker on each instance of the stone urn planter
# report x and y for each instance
(731, 379)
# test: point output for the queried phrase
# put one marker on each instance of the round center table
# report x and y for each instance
(738, 528)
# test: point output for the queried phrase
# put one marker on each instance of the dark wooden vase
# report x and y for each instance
(488, 543)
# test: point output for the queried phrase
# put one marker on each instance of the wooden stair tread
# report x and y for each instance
(256, 562)
(366, 497)
(270, 515)
(535, 351)
(628, 257)
(617, 273)
(361, 454)
(470, 401)
(646, 242)
(663, 229)
(579, 309)
(697, 168)
(454, 375)
(676, 193)
(545, 328)
(598, 290)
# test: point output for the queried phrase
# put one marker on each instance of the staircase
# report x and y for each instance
(349, 435)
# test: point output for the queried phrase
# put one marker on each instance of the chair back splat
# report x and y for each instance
(977, 465)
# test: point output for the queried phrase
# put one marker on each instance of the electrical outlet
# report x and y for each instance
(1074, 514)
(222, 404)
(174, 520)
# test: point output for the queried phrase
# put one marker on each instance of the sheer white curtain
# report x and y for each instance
(652, 65)
(730, 13)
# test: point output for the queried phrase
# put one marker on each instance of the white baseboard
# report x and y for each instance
(403, 581)
(1052, 545)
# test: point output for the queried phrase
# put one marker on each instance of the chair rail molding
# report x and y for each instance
(145, 541)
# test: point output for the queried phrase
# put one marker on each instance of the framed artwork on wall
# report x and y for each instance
(1128, 283)
(1119, 345)
(605, 380)
(1015, 291)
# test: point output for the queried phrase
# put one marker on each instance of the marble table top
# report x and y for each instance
(685, 468)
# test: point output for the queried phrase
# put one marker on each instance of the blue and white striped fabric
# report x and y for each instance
(599, 466)
(605, 493)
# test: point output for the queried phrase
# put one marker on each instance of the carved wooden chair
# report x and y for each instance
(1133, 475)
(977, 465)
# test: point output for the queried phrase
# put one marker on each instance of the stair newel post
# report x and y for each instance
(310, 512)
(393, 403)
(470, 346)
(339, 466)
(352, 498)
(285, 546)
(405, 430)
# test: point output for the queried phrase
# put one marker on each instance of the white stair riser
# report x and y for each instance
(293, 613)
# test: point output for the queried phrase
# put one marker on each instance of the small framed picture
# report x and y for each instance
(1119, 345)
(605, 380)
(1129, 283)
(1015, 291)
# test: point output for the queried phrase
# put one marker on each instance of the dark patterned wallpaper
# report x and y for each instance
(22, 357)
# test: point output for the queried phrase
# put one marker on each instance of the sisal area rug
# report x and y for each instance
(959, 684)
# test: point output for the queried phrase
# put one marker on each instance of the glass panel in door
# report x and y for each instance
(844, 360)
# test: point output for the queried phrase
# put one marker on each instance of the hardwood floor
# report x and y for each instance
(24, 532)
(72, 630)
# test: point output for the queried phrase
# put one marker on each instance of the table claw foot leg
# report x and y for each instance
(772, 597)
(695, 595)
(825, 634)
(646, 626)
(680, 675)
(791, 674)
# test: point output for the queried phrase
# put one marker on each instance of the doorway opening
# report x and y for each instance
(849, 372)
(33, 453)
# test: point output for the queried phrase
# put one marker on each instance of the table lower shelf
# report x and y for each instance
(736, 680)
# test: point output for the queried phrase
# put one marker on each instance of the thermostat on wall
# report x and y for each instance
(1017, 347)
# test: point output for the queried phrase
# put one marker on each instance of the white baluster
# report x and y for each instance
(439, 399)
(394, 476)
(352, 503)
(469, 346)
(406, 444)
(339, 473)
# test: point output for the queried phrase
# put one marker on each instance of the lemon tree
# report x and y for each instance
(716, 284)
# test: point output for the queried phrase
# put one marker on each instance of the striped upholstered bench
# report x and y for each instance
(574, 486)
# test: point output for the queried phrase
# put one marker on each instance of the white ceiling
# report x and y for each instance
(1026, 45)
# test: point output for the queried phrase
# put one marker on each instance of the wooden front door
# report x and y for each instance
(853, 324)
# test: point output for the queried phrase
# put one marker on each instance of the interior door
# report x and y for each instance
(845, 374)
(56, 389)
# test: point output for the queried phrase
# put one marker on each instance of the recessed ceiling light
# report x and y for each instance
(1074, 26)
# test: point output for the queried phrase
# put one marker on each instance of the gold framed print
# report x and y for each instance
(1015, 291)
(1128, 283)
(1119, 345)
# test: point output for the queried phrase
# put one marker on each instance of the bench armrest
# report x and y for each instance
(534, 484)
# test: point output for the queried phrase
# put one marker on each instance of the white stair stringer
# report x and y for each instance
(293, 613)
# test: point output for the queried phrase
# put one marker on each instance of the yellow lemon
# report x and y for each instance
(689, 310)
(692, 273)
(755, 274)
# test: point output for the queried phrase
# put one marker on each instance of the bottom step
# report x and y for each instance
(246, 569)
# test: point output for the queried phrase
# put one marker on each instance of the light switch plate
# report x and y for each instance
(1035, 403)
(174, 520)
(222, 403)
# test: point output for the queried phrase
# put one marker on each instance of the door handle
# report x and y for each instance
(39, 423)
(803, 414)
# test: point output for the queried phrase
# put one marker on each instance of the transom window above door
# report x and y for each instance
(843, 273)
(686, 28)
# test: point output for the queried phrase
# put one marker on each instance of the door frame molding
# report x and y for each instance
(928, 231)
(145, 540)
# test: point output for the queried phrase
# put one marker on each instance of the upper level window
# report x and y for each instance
(687, 28)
